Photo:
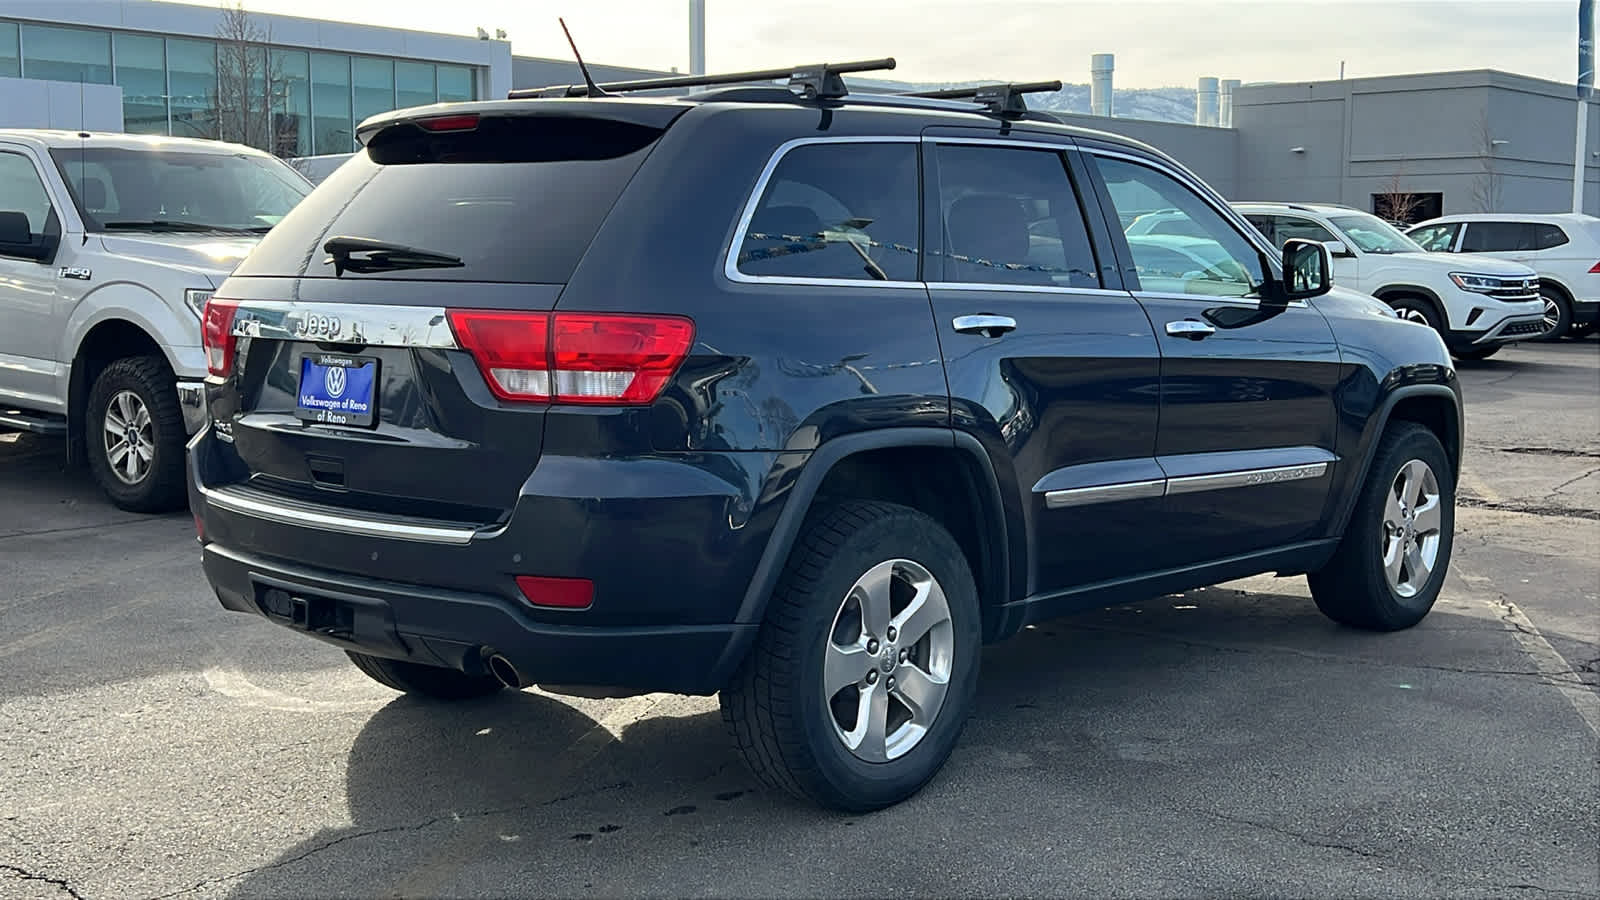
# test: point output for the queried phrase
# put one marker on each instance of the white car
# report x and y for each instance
(1564, 248)
(110, 245)
(1476, 303)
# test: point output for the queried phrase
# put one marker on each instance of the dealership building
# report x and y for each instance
(1455, 141)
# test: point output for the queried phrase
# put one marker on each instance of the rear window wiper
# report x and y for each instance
(358, 254)
(171, 225)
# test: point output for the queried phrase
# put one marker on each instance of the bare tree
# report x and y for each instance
(251, 87)
(1396, 202)
(1486, 187)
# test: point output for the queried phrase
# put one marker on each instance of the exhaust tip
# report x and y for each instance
(506, 673)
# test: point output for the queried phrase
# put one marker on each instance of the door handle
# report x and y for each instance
(985, 324)
(1193, 329)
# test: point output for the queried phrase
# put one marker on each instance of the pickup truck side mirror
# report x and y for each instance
(17, 238)
(1337, 248)
(1306, 269)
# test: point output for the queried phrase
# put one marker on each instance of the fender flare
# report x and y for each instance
(1347, 504)
(815, 470)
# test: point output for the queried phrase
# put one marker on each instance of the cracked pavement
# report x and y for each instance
(1225, 741)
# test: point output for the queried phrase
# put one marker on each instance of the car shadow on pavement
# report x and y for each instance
(529, 794)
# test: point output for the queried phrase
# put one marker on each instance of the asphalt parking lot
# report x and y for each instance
(1228, 741)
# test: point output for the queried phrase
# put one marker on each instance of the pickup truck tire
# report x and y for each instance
(433, 682)
(134, 435)
(1391, 562)
(830, 653)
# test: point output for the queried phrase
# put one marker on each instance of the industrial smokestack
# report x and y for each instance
(1225, 104)
(697, 37)
(1205, 102)
(1101, 65)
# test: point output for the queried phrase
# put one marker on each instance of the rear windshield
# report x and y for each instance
(516, 200)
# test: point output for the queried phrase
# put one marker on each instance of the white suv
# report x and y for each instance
(1564, 248)
(1476, 303)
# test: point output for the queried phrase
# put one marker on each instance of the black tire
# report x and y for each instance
(1579, 332)
(1476, 353)
(158, 484)
(1555, 303)
(1417, 310)
(775, 709)
(433, 682)
(1352, 588)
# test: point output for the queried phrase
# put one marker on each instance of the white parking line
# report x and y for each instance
(1552, 665)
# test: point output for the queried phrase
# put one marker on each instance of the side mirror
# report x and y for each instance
(1306, 268)
(17, 238)
(1337, 248)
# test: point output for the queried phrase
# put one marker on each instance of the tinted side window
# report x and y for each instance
(1292, 227)
(1011, 216)
(1436, 238)
(22, 191)
(837, 210)
(1547, 236)
(1497, 237)
(1268, 229)
(1222, 263)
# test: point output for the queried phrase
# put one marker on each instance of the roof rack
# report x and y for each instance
(814, 82)
(1001, 99)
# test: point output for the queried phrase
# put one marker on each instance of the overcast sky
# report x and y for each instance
(1157, 42)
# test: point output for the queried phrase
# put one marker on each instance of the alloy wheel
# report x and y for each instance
(887, 660)
(1411, 528)
(129, 437)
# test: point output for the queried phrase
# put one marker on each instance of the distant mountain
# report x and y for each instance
(1168, 104)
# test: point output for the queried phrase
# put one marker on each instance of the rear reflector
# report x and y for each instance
(589, 358)
(465, 122)
(557, 593)
(216, 335)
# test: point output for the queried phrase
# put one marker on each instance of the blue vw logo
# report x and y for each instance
(334, 381)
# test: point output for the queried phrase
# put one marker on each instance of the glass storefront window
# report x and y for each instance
(192, 83)
(10, 61)
(413, 84)
(374, 80)
(142, 75)
(332, 129)
(456, 83)
(291, 119)
(67, 54)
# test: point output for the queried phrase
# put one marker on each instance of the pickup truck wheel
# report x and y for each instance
(863, 674)
(135, 435)
(433, 682)
(1392, 559)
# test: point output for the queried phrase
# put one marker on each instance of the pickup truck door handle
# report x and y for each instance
(1193, 329)
(985, 324)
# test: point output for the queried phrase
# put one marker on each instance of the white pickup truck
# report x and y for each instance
(110, 245)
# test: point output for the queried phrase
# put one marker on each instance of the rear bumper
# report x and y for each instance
(670, 546)
(192, 400)
(461, 630)
(1585, 312)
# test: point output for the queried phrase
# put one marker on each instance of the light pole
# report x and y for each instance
(697, 37)
(1585, 84)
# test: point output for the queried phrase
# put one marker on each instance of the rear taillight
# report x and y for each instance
(454, 122)
(216, 335)
(1595, 269)
(591, 358)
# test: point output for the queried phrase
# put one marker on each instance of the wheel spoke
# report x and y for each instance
(1412, 476)
(843, 666)
(132, 459)
(921, 693)
(873, 593)
(928, 609)
(114, 424)
(869, 737)
(1429, 517)
(125, 406)
(141, 419)
(1393, 557)
(117, 452)
(1391, 510)
(1417, 566)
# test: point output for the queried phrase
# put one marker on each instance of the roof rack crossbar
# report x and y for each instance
(814, 81)
(1001, 99)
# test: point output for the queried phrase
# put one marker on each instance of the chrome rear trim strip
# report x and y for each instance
(345, 323)
(1189, 484)
(244, 504)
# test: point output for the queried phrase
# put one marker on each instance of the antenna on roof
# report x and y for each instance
(813, 82)
(594, 89)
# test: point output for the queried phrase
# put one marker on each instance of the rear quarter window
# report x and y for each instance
(517, 200)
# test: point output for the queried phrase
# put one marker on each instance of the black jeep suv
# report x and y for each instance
(793, 396)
